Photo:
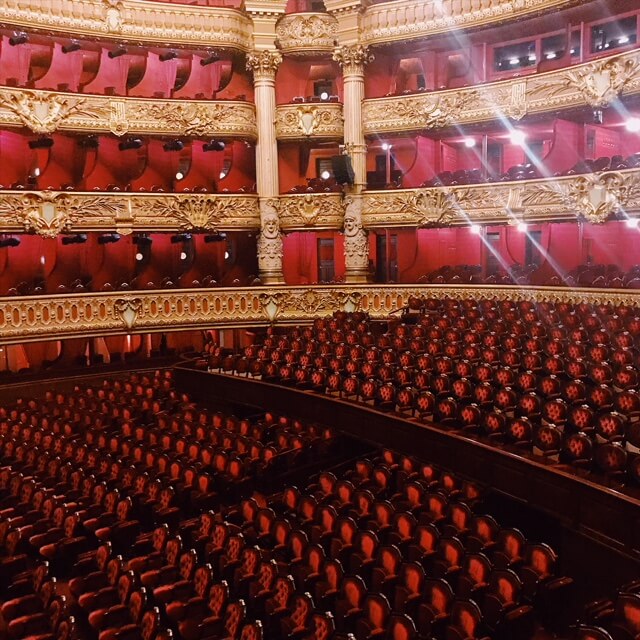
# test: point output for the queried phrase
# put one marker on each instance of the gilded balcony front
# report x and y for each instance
(47, 111)
(306, 120)
(595, 84)
(407, 19)
(52, 317)
(136, 20)
(49, 213)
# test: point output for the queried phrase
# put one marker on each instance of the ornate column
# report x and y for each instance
(352, 59)
(264, 65)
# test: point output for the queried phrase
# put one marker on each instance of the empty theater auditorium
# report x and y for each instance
(319, 320)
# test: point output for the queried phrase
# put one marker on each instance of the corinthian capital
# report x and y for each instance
(352, 58)
(264, 63)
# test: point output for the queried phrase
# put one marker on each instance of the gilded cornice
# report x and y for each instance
(49, 317)
(315, 210)
(592, 197)
(47, 111)
(309, 120)
(49, 213)
(409, 19)
(136, 20)
(306, 33)
(595, 84)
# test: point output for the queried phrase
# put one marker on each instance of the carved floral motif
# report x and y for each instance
(269, 243)
(307, 32)
(264, 63)
(356, 243)
(309, 119)
(310, 210)
(353, 58)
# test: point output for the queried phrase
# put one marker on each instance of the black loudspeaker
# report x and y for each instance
(342, 169)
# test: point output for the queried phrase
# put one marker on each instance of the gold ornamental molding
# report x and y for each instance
(54, 317)
(306, 33)
(309, 120)
(136, 20)
(49, 213)
(409, 19)
(595, 84)
(46, 111)
(592, 197)
(315, 210)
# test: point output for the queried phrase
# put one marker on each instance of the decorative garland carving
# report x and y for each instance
(47, 111)
(40, 111)
(599, 82)
(128, 310)
(49, 213)
(309, 119)
(595, 197)
(264, 63)
(356, 242)
(310, 209)
(269, 243)
(595, 84)
(306, 33)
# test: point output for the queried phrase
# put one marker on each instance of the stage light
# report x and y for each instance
(41, 143)
(476, 229)
(632, 223)
(522, 227)
(214, 145)
(386, 146)
(74, 45)
(169, 55)
(179, 175)
(325, 175)
(79, 238)
(142, 240)
(108, 238)
(632, 125)
(183, 255)
(130, 143)
(517, 137)
(469, 143)
(120, 50)
(18, 37)
(173, 145)
(9, 242)
(180, 237)
(210, 59)
(324, 96)
(215, 237)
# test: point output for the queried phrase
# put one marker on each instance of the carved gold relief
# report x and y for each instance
(407, 19)
(46, 111)
(138, 20)
(91, 314)
(353, 58)
(264, 63)
(306, 33)
(310, 209)
(49, 213)
(296, 121)
(594, 84)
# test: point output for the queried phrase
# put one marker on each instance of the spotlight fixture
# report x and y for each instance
(469, 143)
(41, 143)
(130, 143)
(142, 240)
(108, 238)
(325, 175)
(324, 96)
(74, 45)
(598, 116)
(215, 237)
(78, 238)
(89, 142)
(632, 125)
(476, 229)
(180, 237)
(169, 55)
(214, 145)
(120, 50)
(18, 37)
(212, 57)
(9, 242)
(522, 226)
(173, 145)
(517, 137)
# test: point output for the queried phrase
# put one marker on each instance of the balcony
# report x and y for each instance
(317, 120)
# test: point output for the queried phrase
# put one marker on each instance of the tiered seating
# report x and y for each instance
(83, 475)
(554, 380)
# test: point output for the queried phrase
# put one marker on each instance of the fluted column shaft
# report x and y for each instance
(264, 65)
(352, 59)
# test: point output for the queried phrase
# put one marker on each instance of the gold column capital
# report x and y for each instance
(264, 64)
(352, 58)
